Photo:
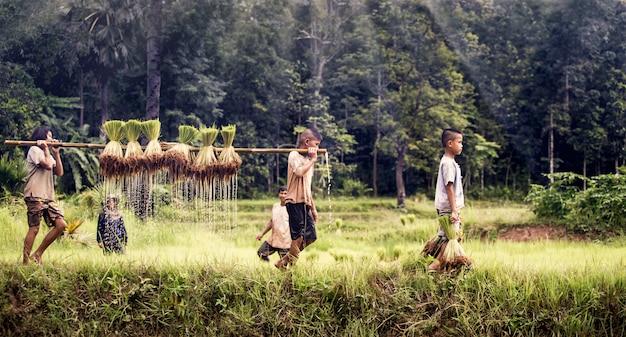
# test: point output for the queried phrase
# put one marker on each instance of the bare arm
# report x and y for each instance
(58, 169)
(267, 228)
(47, 162)
(314, 211)
(300, 171)
(450, 192)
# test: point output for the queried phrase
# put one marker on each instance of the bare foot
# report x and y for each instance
(433, 266)
(37, 259)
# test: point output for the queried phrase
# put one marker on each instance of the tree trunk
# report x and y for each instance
(401, 190)
(81, 97)
(378, 134)
(104, 98)
(153, 88)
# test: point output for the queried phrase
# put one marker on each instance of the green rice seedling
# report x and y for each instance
(152, 160)
(411, 218)
(403, 220)
(178, 158)
(206, 162)
(453, 255)
(132, 130)
(111, 163)
(228, 158)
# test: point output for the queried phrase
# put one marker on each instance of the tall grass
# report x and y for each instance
(364, 277)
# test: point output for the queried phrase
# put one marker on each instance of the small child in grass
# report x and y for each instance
(280, 239)
(111, 235)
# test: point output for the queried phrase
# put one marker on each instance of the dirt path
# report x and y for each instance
(534, 233)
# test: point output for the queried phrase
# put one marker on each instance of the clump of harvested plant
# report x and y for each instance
(205, 164)
(178, 158)
(111, 159)
(229, 159)
(132, 130)
(453, 256)
(152, 159)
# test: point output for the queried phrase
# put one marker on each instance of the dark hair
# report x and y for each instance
(40, 133)
(282, 188)
(309, 132)
(316, 134)
(449, 134)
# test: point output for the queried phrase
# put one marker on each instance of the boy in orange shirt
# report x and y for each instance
(299, 199)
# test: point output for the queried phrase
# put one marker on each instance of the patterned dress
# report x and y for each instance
(112, 233)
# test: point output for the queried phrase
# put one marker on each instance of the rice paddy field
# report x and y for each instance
(363, 277)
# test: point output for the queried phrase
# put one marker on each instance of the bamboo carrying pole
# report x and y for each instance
(164, 146)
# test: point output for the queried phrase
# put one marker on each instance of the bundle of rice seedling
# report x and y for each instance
(229, 159)
(178, 158)
(132, 130)
(453, 255)
(152, 159)
(206, 162)
(111, 159)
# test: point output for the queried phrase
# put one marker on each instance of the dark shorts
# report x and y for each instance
(266, 250)
(301, 222)
(38, 208)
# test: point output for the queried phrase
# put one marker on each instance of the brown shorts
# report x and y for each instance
(38, 208)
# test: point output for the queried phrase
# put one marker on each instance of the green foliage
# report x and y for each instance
(553, 202)
(354, 188)
(599, 208)
(20, 103)
(12, 174)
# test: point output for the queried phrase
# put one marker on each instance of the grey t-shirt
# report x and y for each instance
(39, 182)
(449, 172)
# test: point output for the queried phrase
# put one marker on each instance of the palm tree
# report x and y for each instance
(111, 25)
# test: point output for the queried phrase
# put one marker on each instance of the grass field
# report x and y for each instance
(363, 277)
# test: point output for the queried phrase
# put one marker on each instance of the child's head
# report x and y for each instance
(282, 194)
(111, 201)
(309, 138)
(449, 135)
(452, 141)
(41, 132)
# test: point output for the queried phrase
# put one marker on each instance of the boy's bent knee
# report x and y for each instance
(60, 224)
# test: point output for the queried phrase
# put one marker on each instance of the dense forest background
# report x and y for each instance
(537, 86)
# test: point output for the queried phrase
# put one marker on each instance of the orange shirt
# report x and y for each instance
(298, 181)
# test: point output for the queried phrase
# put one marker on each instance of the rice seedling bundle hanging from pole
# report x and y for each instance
(152, 160)
(178, 158)
(111, 159)
(152, 163)
(132, 129)
(205, 176)
(206, 163)
(136, 183)
(453, 256)
(229, 166)
(229, 159)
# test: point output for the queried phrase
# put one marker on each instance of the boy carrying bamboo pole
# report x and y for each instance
(449, 199)
(299, 199)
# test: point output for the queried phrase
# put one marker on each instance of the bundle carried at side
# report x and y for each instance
(178, 158)
(152, 159)
(206, 163)
(229, 159)
(132, 130)
(111, 159)
(453, 256)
